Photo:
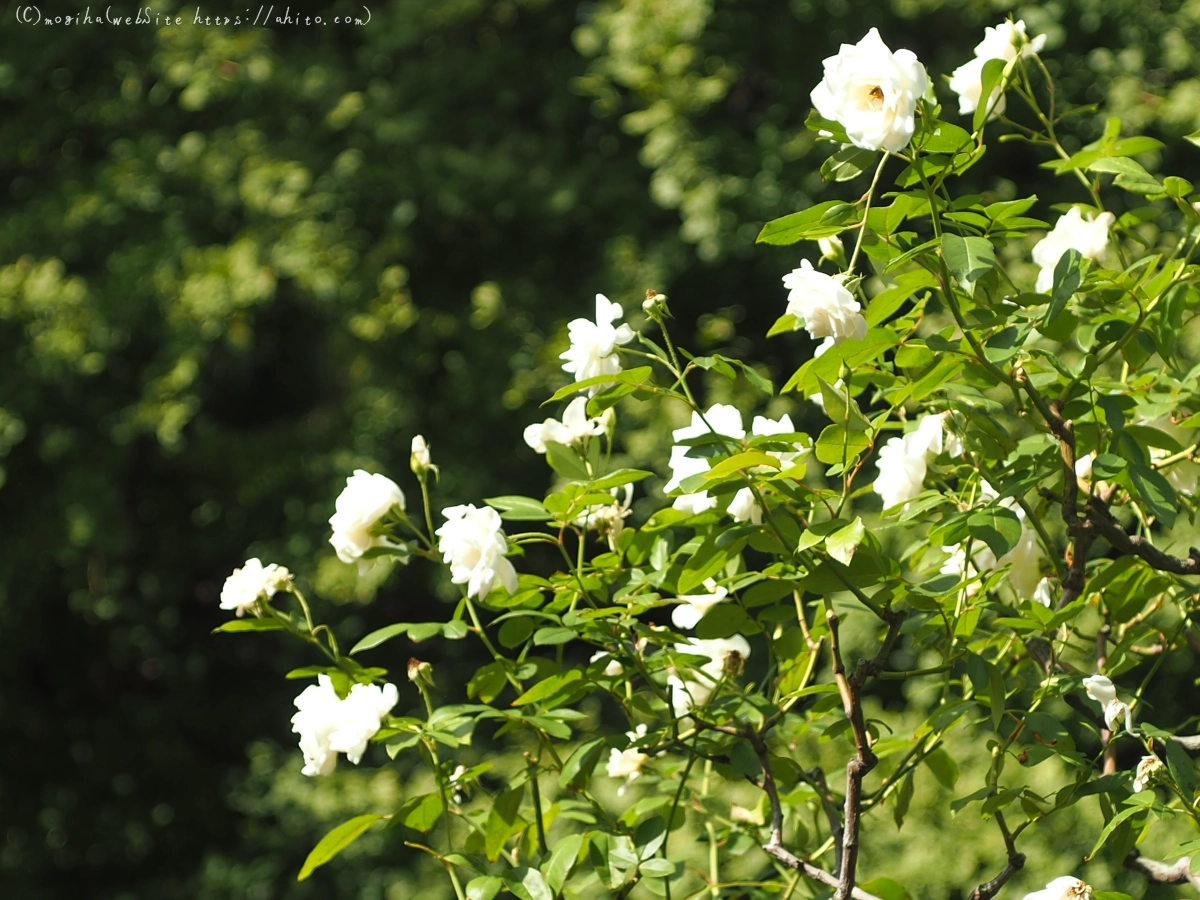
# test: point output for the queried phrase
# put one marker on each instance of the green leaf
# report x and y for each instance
(454, 630)
(562, 861)
(528, 884)
(886, 889)
(837, 445)
(629, 376)
(943, 767)
(968, 258)
(503, 821)
(485, 887)
(233, 626)
(842, 543)
(380, 635)
(553, 636)
(1156, 492)
(335, 842)
(993, 71)
(515, 508)
(577, 771)
(847, 163)
(721, 621)
(566, 462)
(997, 527)
(548, 687)
(421, 813)
(657, 867)
(1068, 276)
(746, 460)
(785, 324)
(823, 220)
(1182, 770)
(1131, 176)
(618, 478)
(1111, 827)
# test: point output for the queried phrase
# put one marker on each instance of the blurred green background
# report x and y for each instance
(237, 263)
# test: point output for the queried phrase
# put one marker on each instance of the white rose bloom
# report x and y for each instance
(613, 669)
(359, 717)
(1004, 42)
(1148, 769)
(692, 607)
(1071, 232)
(627, 763)
(872, 92)
(609, 520)
(823, 306)
(1064, 888)
(725, 420)
(362, 503)
(315, 721)
(744, 507)
(1100, 688)
(931, 437)
(473, 544)
(1044, 593)
(593, 349)
(764, 427)
(574, 428)
(251, 583)
(901, 472)
(686, 693)
(419, 459)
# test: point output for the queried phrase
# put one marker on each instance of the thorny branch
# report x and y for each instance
(1110, 529)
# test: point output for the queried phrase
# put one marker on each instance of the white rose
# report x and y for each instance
(725, 420)
(1148, 769)
(872, 92)
(359, 717)
(473, 544)
(744, 507)
(1071, 232)
(1004, 42)
(823, 307)
(593, 349)
(251, 583)
(574, 428)
(362, 503)
(693, 607)
(1044, 593)
(901, 472)
(1100, 688)
(315, 721)
(1064, 888)
(609, 519)
(420, 459)
(613, 668)
(627, 763)
(686, 693)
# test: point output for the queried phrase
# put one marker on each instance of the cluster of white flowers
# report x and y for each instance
(1004, 42)
(1100, 688)
(329, 725)
(903, 461)
(823, 307)
(362, 503)
(613, 668)
(593, 350)
(724, 655)
(574, 428)
(872, 92)
(627, 763)
(251, 583)
(1071, 232)
(693, 607)
(473, 544)
(726, 421)
(1064, 888)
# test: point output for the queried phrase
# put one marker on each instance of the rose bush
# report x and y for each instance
(1019, 563)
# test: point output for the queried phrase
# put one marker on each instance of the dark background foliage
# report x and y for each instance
(237, 263)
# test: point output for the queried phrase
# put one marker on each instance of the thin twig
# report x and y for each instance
(1178, 873)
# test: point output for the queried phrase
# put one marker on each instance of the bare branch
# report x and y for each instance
(1016, 861)
(1110, 529)
(1190, 742)
(1179, 873)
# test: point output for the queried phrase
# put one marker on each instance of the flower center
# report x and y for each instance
(876, 95)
